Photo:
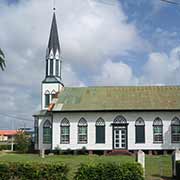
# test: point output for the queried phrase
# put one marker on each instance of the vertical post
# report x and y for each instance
(60, 69)
(12, 143)
(105, 153)
(90, 152)
(42, 154)
(175, 157)
(140, 158)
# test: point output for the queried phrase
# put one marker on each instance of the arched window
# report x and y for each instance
(119, 120)
(47, 132)
(100, 131)
(175, 130)
(36, 130)
(82, 131)
(140, 130)
(53, 94)
(65, 131)
(51, 66)
(158, 130)
(47, 98)
(57, 67)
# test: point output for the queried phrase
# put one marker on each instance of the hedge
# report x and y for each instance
(113, 171)
(5, 147)
(177, 170)
(35, 171)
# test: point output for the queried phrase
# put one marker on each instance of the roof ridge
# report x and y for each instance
(166, 86)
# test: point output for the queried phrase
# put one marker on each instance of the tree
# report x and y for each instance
(22, 141)
(2, 61)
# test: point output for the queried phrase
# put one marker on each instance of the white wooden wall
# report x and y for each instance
(91, 118)
(50, 87)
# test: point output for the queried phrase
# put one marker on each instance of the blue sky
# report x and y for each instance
(157, 22)
(103, 43)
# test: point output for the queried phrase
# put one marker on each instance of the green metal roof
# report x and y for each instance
(119, 98)
(41, 113)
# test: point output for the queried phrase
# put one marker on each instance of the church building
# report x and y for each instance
(104, 118)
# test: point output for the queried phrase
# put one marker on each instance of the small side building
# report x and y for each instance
(7, 136)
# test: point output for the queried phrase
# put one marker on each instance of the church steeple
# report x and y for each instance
(54, 38)
(53, 54)
(52, 84)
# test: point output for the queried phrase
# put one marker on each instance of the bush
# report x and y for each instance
(35, 171)
(113, 171)
(5, 147)
(23, 142)
(177, 170)
(82, 151)
(57, 150)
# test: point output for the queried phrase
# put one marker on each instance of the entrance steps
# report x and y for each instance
(119, 153)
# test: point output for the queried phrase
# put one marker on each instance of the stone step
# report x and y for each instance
(119, 152)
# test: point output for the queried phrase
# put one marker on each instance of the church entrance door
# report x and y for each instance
(120, 137)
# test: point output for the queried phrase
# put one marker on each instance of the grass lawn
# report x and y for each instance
(156, 166)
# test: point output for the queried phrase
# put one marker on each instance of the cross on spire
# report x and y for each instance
(54, 5)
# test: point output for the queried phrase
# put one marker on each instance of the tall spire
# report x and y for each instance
(53, 54)
(53, 43)
(53, 66)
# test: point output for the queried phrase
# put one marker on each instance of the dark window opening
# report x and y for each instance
(100, 131)
(140, 131)
(47, 132)
(47, 100)
(57, 67)
(51, 67)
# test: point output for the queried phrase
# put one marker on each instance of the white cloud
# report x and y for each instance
(162, 68)
(159, 69)
(90, 32)
(70, 77)
(115, 73)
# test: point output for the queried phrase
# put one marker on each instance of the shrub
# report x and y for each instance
(82, 151)
(68, 151)
(5, 147)
(177, 170)
(57, 150)
(23, 142)
(35, 171)
(113, 171)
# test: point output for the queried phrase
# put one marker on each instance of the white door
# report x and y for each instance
(120, 138)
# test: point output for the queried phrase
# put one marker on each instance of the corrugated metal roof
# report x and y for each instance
(119, 98)
(8, 132)
(40, 113)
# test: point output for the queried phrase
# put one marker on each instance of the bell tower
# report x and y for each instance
(52, 83)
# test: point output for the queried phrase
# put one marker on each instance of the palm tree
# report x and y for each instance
(2, 61)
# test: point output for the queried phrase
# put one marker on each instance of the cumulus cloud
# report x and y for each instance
(91, 31)
(115, 73)
(159, 69)
(162, 68)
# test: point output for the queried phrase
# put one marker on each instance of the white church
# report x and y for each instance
(104, 119)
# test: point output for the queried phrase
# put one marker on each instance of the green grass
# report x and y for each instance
(156, 166)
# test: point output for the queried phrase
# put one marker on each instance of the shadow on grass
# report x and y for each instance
(158, 177)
